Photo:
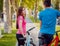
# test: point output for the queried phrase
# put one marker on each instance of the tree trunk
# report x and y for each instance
(57, 4)
(1, 10)
(0, 28)
(7, 14)
(35, 17)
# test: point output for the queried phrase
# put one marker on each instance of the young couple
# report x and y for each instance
(47, 19)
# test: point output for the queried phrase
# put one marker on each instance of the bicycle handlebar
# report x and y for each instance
(30, 30)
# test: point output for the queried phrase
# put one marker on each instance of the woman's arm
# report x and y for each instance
(20, 27)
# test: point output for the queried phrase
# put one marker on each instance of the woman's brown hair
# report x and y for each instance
(19, 13)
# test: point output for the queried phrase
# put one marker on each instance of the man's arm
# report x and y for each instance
(40, 18)
(58, 14)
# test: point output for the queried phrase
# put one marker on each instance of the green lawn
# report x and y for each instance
(8, 39)
(57, 28)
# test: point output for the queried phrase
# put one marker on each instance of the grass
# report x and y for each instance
(13, 21)
(57, 28)
(8, 39)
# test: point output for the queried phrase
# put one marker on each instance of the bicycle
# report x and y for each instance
(28, 40)
(56, 39)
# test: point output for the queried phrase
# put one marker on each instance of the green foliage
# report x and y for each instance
(28, 4)
(1, 6)
(40, 8)
(56, 4)
(17, 3)
(32, 19)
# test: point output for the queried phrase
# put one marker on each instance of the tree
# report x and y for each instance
(1, 10)
(35, 17)
(56, 4)
(36, 8)
(7, 14)
(1, 6)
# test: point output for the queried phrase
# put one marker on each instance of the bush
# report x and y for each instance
(32, 19)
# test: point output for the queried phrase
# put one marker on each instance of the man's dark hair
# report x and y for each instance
(47, 3)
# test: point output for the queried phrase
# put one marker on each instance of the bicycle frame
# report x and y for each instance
(55, 39)
(29, 39)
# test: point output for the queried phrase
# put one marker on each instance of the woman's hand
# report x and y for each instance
(24, 36)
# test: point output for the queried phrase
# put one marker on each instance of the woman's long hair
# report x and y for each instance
(19, 13)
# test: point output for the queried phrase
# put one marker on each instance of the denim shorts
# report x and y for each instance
(45, 38)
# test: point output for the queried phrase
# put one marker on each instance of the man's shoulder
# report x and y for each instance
(54, 9)
(44, 10)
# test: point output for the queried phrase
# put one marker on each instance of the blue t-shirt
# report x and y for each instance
(48, 19)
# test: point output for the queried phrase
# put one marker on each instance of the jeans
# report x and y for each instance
(44, 39)
(20, 42)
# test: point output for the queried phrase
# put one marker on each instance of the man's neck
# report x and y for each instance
(47, 7)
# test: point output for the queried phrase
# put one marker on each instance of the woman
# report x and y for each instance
(21, 26)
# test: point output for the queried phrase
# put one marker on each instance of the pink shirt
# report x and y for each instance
(23, 25)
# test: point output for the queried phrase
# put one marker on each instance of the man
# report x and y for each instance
(47, 19)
